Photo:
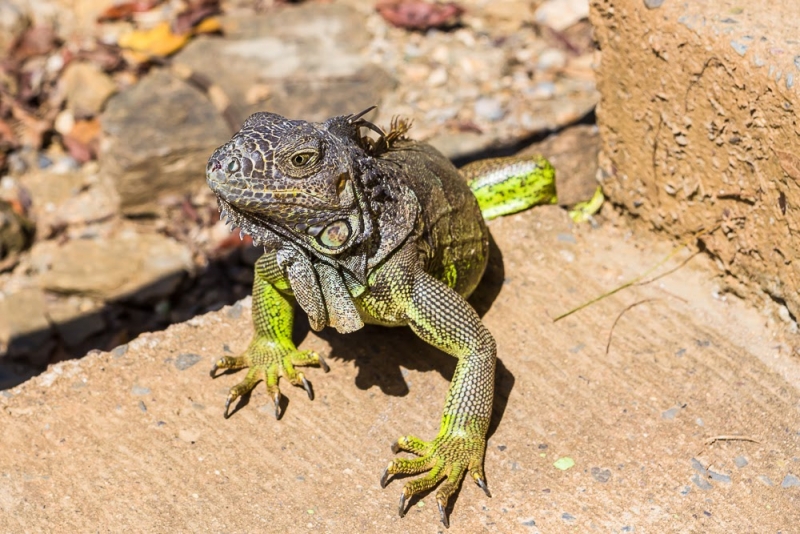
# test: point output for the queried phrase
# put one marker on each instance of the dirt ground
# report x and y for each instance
(689, 423)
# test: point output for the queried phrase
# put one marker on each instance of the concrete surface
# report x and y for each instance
(699, 121)
(690, 422)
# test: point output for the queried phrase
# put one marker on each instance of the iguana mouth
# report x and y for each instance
(332, 234)
(235, 219)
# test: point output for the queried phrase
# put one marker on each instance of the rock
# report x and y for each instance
(86, 88)
(312, 56)
(489, 109)
(551, 58)
(131, 266)
(75, 319)
(457, 145)
(76, 197)
(699, 130)
(158, 136)
(13, 23)
(561, 14)
(16, 234)
(24, 329)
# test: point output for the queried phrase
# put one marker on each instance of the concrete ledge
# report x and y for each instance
(699, 121)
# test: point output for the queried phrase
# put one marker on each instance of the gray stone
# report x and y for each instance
(790, 481)
(135, 267)
(701, 482)
(489, 109)
(184, 361)
(140, 391)
(158, 136)
(310, 56)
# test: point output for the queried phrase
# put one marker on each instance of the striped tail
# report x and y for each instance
(507, 185)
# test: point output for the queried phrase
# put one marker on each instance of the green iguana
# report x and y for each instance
(381, 231)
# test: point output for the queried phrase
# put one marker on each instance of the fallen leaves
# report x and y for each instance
(168, 37)
(419, 14)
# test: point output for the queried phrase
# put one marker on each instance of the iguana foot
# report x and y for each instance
(268, 363)
(449, 457)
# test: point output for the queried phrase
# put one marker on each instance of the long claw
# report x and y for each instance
(277, 401)
(227, 404)
(385, 476)
(395, 448)
(323, 364)
(482, 484)
(402, 509)
(213, 371)
(307, 387)
(443, 515)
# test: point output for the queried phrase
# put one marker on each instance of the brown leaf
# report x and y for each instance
(36, 41)
(83, 140)
(195, 13)
(126, 10)
(419, 14)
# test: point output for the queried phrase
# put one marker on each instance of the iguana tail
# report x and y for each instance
(507, 185)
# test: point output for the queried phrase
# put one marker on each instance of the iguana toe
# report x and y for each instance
(268, 364)
(447, 458)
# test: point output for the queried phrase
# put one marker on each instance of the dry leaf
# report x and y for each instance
(158, 41)
(126, 10)
(418, 14)
(83, 140)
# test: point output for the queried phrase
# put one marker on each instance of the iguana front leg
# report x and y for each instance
(271, 353)
(443, 318)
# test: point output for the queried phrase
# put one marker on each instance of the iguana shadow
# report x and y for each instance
(382, 354)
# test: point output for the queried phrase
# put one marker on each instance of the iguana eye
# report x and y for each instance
(234, 165)
(301, 159)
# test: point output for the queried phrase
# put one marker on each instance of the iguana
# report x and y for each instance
(382, 231)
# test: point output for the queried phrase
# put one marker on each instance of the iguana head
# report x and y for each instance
(295, 178)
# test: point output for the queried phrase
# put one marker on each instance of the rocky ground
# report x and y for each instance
(109, 229)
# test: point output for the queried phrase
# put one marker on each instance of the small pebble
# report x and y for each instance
(139, 390)
(740, 461)
(653, 4)
(601, 475)
(186, 360)
(719, 477)
(701, 482)
(765, 480)
(552, 58)
(670, 414)
(489, 109)
(790, 480)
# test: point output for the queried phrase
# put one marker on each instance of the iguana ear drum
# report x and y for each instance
(335, 234)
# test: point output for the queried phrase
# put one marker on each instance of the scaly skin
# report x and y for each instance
(379, 231)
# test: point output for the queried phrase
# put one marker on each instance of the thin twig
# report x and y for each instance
(611, 332)
(638, 278)
(729, 437)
